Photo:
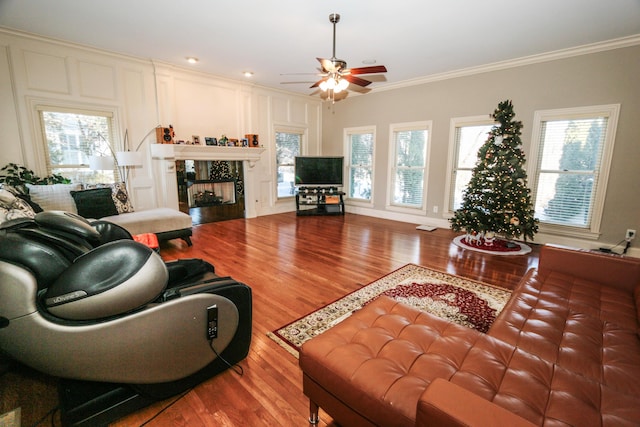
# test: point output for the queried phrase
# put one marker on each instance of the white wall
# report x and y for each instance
(142, 95)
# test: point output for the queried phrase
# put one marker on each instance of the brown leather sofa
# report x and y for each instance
(565, 351)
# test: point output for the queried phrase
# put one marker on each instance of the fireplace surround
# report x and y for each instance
(242, 161)
(210, 190)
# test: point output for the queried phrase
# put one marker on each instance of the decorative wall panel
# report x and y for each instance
(46, 72)
(96, 80)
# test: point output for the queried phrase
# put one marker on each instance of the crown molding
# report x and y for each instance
(519, 62)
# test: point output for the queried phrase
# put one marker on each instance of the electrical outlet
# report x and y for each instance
(631, 234)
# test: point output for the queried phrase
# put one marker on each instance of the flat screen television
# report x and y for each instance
(319, 171)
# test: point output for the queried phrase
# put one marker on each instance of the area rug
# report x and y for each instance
(463, 301)
(498, 246)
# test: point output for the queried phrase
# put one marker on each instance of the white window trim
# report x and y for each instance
(399, 127)
(303, 132)
(452, 155)
(36, 104)
(611, 111)
(347, 164)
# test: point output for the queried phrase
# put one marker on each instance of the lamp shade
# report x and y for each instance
(129, 158)
(101, 163)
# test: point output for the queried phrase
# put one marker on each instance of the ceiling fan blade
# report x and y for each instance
(356, 80)
(327, 65)
(340, 96)
(358, 89)
(367, 70)
(332, 65)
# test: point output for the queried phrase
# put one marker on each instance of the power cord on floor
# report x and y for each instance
(611, 250)
(173, 402)
(236, 368)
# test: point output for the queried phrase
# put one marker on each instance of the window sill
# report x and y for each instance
(359, 202)
(565, 231)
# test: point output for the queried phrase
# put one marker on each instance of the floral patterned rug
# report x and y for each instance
(463, 301)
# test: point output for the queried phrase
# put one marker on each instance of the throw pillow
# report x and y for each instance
(121, 198)
(119, 195)
(96, 203)
(12, 207)
(54, 197)
(20, 192)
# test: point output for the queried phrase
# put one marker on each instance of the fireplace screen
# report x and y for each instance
(211, 193)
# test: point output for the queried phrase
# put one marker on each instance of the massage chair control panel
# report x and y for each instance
(212, 322)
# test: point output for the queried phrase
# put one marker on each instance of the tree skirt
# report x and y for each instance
(498, 247)
(463, 301)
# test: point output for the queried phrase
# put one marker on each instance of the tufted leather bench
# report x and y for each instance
(564, 351)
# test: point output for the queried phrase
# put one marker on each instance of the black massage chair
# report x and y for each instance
(120, 327)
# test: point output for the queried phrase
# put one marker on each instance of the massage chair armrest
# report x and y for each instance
(110, 232)
(446, 404)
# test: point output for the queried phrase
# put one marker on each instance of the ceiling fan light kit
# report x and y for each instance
(335, 84)
(336, 77)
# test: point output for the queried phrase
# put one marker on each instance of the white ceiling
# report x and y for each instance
(414, 39)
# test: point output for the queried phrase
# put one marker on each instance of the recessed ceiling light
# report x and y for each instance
(248, 73)
(192, 60)
(369, 61)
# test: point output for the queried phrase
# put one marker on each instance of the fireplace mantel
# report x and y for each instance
(206, 152)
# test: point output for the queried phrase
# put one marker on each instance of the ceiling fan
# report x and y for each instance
(336, 77)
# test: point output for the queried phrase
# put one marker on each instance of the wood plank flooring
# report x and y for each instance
(295, 265)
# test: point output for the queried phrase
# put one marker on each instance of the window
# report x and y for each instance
(72, 137)
(572, 154)
(408, 170)
(468, 135)
(360, 144)
(288, 146)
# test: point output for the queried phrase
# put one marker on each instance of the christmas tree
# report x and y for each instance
(497, 201)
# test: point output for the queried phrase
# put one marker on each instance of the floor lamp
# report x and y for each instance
(127, 160)
(101, 163)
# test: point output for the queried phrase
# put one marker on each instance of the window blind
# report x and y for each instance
(410, 163)
(288, 146)
(360, 165)
(71, 137)
(569, 164)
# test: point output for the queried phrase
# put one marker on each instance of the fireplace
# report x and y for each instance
(204, 193)
(210, 190)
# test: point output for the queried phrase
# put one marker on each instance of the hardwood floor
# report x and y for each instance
(295, 265)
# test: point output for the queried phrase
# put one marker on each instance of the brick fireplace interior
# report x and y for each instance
(211, 190)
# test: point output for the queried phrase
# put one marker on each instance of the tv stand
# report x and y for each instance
(319, 201)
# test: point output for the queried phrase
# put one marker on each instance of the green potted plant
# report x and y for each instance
(17, 176)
